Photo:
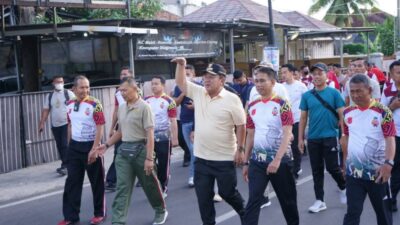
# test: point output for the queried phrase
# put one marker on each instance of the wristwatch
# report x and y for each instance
(389, 162)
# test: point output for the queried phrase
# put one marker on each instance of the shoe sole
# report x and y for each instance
(317, 211)
(265, 205)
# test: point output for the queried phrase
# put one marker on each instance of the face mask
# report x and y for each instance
(59, 87)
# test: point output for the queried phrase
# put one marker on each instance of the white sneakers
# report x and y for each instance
(191, 182)
(318, 206)
(217, 198)
(343, 198)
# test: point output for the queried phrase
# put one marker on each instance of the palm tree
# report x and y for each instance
(339, 11)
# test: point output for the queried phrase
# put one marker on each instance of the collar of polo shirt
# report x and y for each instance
(134, 106)
(221, 94)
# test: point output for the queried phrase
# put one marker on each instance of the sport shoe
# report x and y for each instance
(191, 182)
(66, 222)
(266, 203)
(62, 171)
(343, 197)
(217, 198)
(317, 206)
(97, 220)
(299, 172)
(160, 218)
(164, 194)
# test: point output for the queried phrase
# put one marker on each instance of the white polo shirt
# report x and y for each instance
(367, 130)
(84, 116)
(389, 92)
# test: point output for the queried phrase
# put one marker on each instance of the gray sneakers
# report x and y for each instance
(160, 218)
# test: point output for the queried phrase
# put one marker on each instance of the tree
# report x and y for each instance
(140, 9)
(339, 11)
(386, 33)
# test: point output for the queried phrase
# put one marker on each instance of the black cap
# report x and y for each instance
(320, 66)
(237, 74)
(215, 69)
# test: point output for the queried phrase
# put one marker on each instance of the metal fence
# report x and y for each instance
(21, 144)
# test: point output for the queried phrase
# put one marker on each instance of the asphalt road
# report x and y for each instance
(182, 205)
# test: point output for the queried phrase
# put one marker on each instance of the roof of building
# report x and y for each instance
(306, 22)
(230, 10)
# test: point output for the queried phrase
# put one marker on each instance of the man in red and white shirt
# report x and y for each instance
(369, 147)
(391, 99)
(85, 129)
(165, 130)
(269, 128)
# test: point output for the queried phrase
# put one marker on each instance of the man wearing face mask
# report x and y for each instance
(55, 105)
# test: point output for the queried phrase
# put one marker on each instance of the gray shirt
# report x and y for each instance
(58, 112)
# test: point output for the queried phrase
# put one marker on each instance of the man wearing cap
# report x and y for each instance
(323, 107)
(242, 85)
(216, 147)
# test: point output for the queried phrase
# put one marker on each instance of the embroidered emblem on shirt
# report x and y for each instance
(375, 122)
(275, 111)
(87, 111)
(349, 120)
(253, 112)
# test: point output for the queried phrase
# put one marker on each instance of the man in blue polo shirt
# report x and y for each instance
(323, 107)
(187, 118)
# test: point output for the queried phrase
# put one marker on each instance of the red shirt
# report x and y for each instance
(332, 76)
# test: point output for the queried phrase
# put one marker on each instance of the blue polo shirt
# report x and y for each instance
(187, 115)
(322, 122)
(244, 91)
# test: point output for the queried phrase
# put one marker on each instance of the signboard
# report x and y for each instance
(271, 55)
(170, 43)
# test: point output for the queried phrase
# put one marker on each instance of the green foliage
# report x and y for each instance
(354, 49)
(374, 46)
(140, 9)
(339, 11)
(386, 33)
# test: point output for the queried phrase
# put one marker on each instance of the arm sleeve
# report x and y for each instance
(303, 102)
(250, 123)
(98, 114)
(46, 102)
(387, 125)
(238, 114)
(286, 114)
(172, 109)
(148, 120)
(339, 102)
(194, 91)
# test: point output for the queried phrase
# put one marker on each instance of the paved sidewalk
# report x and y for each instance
(42, 179)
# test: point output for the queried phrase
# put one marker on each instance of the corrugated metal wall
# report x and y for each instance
(40, 148)
(10, 142)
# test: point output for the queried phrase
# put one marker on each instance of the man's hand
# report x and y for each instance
(92, 156)
(179, 60)
(239, 155)
(273, 166)
(245, 173)
(189, 105)
(148, 166)
(192, 136)
(384, 173)
(175, 142)
(301, 145)
(101, 149)
(395, 104)
(41, 127)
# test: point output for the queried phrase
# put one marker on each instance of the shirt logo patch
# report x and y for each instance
(87, 111)
(253, 112)
(375, 122)
(275, 111)
(349, 120)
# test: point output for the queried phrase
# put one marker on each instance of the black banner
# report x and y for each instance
(170, 43)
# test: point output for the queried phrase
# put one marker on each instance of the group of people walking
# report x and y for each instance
(263, 124)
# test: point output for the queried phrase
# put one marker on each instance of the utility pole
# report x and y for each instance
(271, 25)
(397, 34)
